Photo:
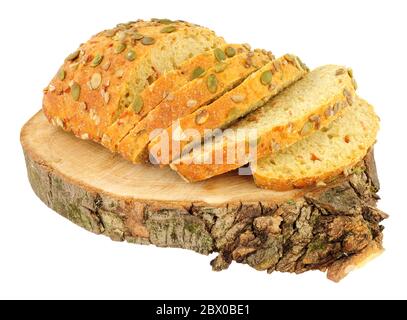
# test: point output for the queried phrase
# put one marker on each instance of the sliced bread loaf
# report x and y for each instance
(310, 103)
(167, 83)
(252, 93)
(103, 77)
(214, 83)
(323, 155)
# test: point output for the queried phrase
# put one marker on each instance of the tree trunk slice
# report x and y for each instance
(333, 228)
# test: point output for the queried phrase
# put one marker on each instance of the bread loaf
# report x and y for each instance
(323, 155)
(309, 104)
(213, 84)
(105, 75)
(166, 84)
(252, 93)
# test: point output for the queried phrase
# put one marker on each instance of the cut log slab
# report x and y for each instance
(332, 228)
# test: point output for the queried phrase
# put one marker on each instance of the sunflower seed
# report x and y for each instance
(84, 136)
(82, 106)
(348, 96)
(170, 97)
(106, 65)
(106, 97)
(340, 71)
(137, 36)
(315, 118)
(51, 88)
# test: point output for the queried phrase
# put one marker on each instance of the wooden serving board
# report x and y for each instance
(105, 194)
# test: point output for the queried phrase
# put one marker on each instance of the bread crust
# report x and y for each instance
(155, 93)
(112, 57)
(281, 136)
(284, 184)
(188, 99)
(228, 108)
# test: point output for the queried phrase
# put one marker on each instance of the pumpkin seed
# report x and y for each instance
(266, 77)
(95, 80)
(348, 96)
(61, 74)
(137, 36)
(212, 83)
(131, 55)
(219, 55)
(198, 72)
(340, 71)
(220, 67)
(73, 56)
(163, 21)
(230, 51)
(233, 114)
(75, 91)
(168, 29)
(120, 47)
(110, 33)
(97, 60)
(147, 41)
(307, 128)
(137, 104)
(202, 117)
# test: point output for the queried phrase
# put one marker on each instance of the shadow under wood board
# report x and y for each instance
(333, 228)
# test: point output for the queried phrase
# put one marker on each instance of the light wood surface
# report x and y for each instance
(90, 165)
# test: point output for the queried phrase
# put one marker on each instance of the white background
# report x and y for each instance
(42, 255)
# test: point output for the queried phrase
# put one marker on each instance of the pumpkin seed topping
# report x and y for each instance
(230, 51)
(131, 55)
(61, 74)
(266, 77)
(307, 128)
(120, 47)
(219, 55)
(220, 67)
(75, 91)
(147, 41)
(163, 21)
(212, 83)
(97, 60)
(137, 36)
(168, 29)
(73, 56)
(198, 72)
(137, 104)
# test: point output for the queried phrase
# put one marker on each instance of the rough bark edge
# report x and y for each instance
(331, 228)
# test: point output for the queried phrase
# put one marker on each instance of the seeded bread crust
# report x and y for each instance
(252, 93)
(359, 119)
(214, 83)
(276, 137)
(166, 84)
(86, 95)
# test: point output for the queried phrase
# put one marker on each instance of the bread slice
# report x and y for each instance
(310, 103)
(214, 83)
(169, 82)
(323, 155)
(99, 80)
(252, 93)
